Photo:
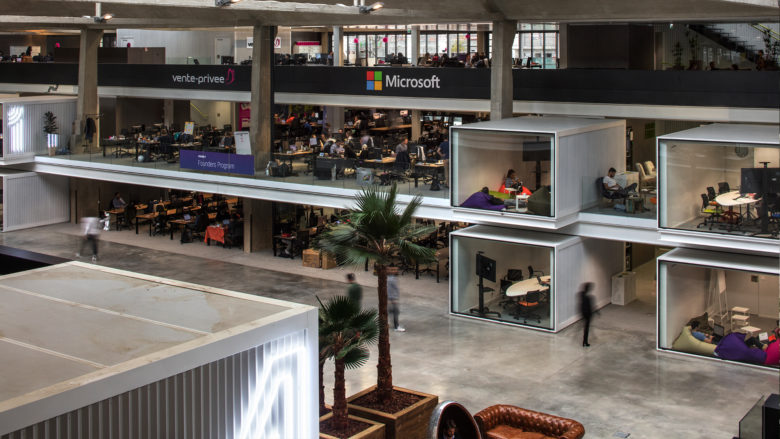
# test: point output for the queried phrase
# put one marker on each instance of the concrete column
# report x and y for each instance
(416, 124)
(563, 47)
(258, 225)
(501, 69)
(261, 125)
(482, 38)
(414, 52)
(335, 117)
(338, 50)
(168, 112)
(87, 104)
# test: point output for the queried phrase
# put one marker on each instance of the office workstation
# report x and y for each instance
(721, 179)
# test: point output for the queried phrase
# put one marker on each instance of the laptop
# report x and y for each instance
(717, 332)
(187, 217)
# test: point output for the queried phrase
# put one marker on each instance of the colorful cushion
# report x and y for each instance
(733, 348)
(773, 354)
(686, 342)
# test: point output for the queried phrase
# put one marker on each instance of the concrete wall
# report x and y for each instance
(759, 292)
(134, 111)
(610, 47)
(179, 45)
(214, 113)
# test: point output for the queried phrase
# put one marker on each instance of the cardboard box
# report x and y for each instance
(328, 262)
(311, 258)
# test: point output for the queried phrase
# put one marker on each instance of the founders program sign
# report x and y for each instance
(217, 162)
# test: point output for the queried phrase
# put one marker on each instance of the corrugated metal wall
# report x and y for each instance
(259, 393)
(23, 126)
(31, 200)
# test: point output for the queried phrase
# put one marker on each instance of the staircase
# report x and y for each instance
(739, 37)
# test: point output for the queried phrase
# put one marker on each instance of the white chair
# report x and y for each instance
(650, 168)
(645, 181)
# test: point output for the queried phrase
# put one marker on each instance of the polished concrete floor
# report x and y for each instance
(619, 384)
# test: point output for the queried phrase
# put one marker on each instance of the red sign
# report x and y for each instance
(308, 43)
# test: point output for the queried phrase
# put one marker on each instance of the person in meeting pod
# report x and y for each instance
(450, 430)
(612, 185)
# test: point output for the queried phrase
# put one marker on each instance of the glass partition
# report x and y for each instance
(727, 314)
(502, 281)
(727, 188)
(503, 171)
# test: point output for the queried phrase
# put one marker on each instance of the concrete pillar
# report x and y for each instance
(563, 46)
(335, 117)
(416, 124)
(482, 38)
(261, 125)
(87, 104)
(338, 50)
(168, 112)
(501, 69)
(258, 225)
(324, 42)
(414, 52)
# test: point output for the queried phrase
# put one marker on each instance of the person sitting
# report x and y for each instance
(118, 202)
(700, 335)
(612, 186)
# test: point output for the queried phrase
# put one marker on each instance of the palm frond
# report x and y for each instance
(356, 358)
(416, 252)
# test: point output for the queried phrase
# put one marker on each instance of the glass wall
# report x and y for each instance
(482, 163)
(727, 188)
(371, 48)
(540, 43)
(502, 281)
(728, 314)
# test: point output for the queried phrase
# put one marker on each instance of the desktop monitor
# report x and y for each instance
(228, 60)
(377, 116)
(457, 120)
(536, 151)
(486, 267)
(428, 118)
(404, 112)
(437, 118)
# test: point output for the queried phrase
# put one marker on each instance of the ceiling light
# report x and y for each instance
(220, 3)
(374, 7)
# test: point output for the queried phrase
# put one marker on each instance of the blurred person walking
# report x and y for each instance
(586, 309)
(354, 291)
(90, 228)
(394, 297)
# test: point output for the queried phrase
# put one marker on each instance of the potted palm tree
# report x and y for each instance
(376, 231)
(52, 132)
(344, 335)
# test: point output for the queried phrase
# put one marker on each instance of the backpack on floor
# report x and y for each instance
(186, 236)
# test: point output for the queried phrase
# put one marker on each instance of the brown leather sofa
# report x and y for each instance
(511, 422)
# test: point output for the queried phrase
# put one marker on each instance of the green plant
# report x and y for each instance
(693, 45)
(344, 335)
(376, 231)
(50, 123)
(677, 52)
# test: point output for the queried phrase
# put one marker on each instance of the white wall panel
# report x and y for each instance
(23, 125)
(262, 392)
(31, 200)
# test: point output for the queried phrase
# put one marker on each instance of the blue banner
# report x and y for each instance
(217, 162)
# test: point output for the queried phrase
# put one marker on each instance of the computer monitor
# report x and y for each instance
(718, 330)
(377, 116)
(428, 118)
(457, 120)
(486, 267)
(536, 151)
(404, 112)
(228, 127)
(437, 118)
(228, 60)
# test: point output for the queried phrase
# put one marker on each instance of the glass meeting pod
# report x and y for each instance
(718, 305)
(552, 157)
(527, 278)
(721, 182)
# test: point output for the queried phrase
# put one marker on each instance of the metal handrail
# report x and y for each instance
(765, 30)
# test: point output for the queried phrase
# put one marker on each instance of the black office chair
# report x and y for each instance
(711, 194)
(527, 308)
(713, 212)
(723, 187)
(512, 276)
(533, 273)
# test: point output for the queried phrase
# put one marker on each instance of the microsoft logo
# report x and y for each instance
(373, 80)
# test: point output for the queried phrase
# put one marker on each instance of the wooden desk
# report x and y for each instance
(292, 155)
(180, 222)
(393, 128)
(380, 163)
(288, 240)
(524, 287)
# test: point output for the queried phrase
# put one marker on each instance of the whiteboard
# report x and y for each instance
(243, 144)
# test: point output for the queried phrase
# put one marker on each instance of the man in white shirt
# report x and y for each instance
(612, 185)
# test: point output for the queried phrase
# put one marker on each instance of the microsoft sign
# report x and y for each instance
(374, 81)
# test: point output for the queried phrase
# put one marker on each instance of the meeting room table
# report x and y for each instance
(523, 287)
(735, 198)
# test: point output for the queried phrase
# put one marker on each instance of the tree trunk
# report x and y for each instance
(384, 379)
(322, 387)
(340, 419)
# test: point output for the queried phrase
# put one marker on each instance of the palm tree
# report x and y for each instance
(376, 231)
(345, 333)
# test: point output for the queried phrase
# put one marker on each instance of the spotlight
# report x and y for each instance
(374, 7)
(100, 18)
(220, 3)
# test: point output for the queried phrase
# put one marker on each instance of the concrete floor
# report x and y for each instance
(619, 384)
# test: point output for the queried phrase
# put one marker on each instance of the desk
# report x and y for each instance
(734, 198)
(292, 155)
(524, 287)
(180, 222)
(430, 168)
(383, 163)
(217, 233)
(393, 128)
(116, 213)
(289, 241)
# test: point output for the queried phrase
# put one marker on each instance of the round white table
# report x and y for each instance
(523, 287)
(734, 198)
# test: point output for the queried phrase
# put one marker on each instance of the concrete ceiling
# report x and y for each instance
(25, 14)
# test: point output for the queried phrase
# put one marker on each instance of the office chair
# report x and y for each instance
(527, 308)
(160, 220)
(711, 196)
(713, 212)
(723, 187)
(534, 273)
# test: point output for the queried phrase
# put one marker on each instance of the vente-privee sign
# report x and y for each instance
(448, 83)
(212, 77)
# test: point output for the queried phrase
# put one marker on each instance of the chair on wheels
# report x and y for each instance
(526, 308)
(532, 272)
(713, 212)
(511, 277)
(723, 187)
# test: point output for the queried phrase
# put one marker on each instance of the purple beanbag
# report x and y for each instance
(481, 200)
(733, 347)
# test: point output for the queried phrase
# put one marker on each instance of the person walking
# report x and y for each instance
(90, 228)
(394, 297)
(586, 309)
(354, 291)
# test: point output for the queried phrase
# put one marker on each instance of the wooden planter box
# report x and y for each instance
(376, 431)
(409, 423)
